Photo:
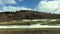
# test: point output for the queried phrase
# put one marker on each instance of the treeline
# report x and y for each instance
(26, 14)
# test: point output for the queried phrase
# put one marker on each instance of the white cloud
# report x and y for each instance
(50, 6)
(11, 8)
(7, 1)
(24, 8)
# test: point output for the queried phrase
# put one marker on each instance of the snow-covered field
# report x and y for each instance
(40, 20)
(31, 26)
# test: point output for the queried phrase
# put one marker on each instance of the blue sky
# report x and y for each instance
(28, 4)
(50, 6)
(25, 3)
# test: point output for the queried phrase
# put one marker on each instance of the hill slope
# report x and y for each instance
(26, 14)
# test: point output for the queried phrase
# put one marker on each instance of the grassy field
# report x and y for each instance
(41, 21)
(31, 31)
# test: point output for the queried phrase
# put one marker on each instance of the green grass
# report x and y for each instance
(20, 22)
(51, 23)
(35, 22)
(23, 29)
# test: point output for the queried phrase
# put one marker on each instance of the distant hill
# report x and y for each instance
(26, 14)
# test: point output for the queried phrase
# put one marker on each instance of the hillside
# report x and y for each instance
(26, 14)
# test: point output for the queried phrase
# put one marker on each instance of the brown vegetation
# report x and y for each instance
(26, 14)
(29, 31)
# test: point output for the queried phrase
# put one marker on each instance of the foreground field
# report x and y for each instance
(31, 31)
(34, 21)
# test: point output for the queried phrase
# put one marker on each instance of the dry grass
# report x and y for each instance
(31, 31)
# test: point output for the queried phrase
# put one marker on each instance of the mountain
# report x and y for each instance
(26, 14)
